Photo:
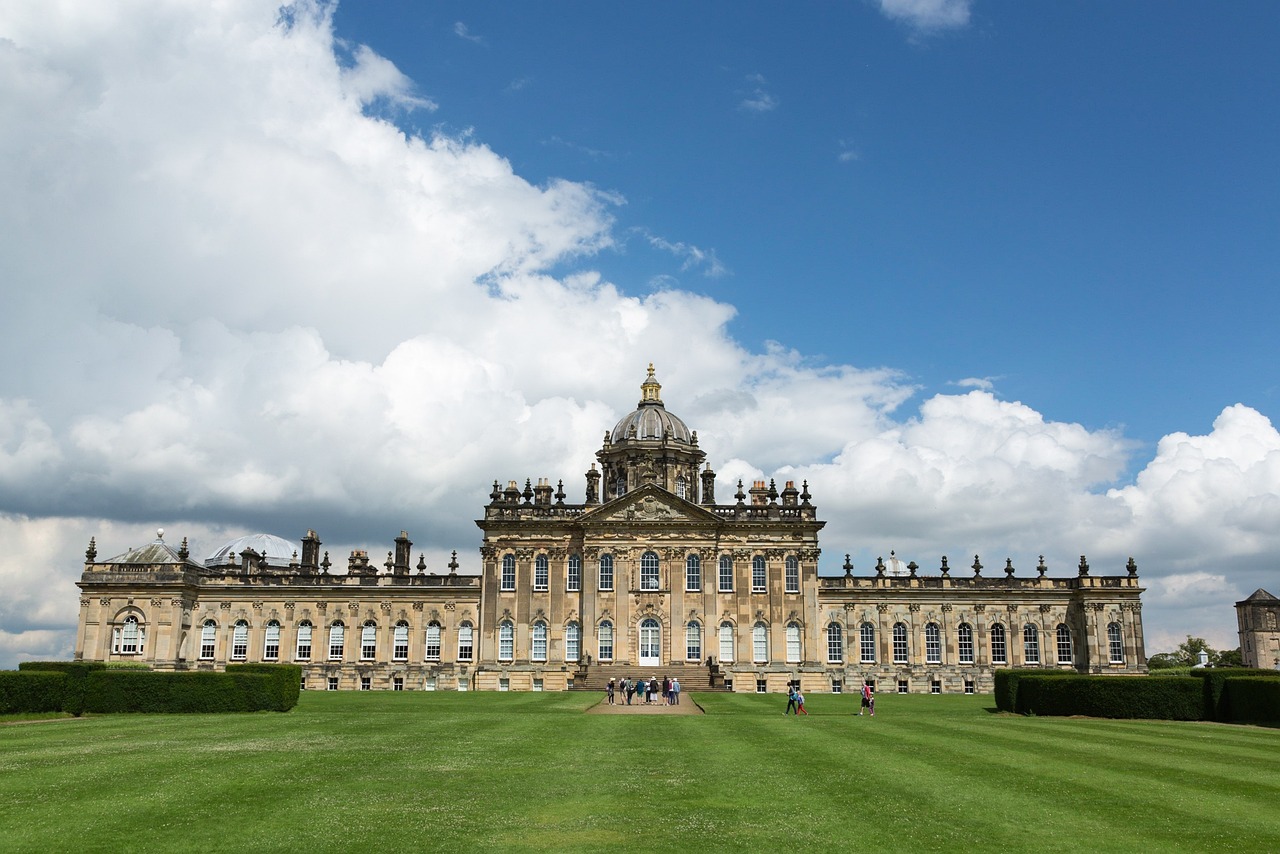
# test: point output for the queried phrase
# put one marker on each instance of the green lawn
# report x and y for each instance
(447, 771)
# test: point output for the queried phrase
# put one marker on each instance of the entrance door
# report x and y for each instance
(649, 643)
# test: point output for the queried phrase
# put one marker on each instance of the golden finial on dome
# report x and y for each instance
(650, 388)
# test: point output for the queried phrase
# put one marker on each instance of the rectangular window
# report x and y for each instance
(932, 644)
(761, 686)
(726, 574)
(397, 683)
(332, 684)
(968, 686)
(899, 644)
(964, 644)
(574, 582)
(759, 576)
(867, 645)
(935, 687)
(433, 642)
(1115, 640)
(303, 651)
(692, 574)
(464, 642)
(793, 575)
(999, 654)
(504, 684)
(606, 572)
(537, 684)
(837, 687)
(904, 687)
(606, 642)
(366, 683)
(271, 646)
(541, 573)
(1030, 646)
(429, 683)
(509, 573)
(1064, 645)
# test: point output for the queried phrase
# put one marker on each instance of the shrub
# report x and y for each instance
(1253, 699)
(1217, 705)
(1006, 684)
(1168, 698)
(285, 685)
(31, 691)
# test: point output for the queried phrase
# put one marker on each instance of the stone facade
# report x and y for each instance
(1258, 618)
(649, 574)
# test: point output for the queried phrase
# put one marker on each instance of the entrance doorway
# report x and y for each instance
(650, 637)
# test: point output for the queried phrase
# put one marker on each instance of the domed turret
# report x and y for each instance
(650, 420)
(650, 445)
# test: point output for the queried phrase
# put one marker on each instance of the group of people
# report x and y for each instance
(795, 700)
(651, 691)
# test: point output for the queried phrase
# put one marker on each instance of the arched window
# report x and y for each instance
(932, 644)
(793, 574)
(726, 574)
(506, 641)
(508, 572)
(1030, 645)
(129, 636)
(605, 635)
(572, 642)
(337, 640)
(867, 643)
(433, 641)
(693, 642)
(726, 642)
(649, 571)
(793, 643)
(539, 641)
(541, 572)
(1115, 640)
(758, 574)
(271, 642)
(302, 651)
(208, 639)
(900, 651)
(693, 573)
(964, 643)
(400, 641)
(574, 582)
(835, 643)
(1065, 655)
(606, 572)
(759, 643)
(999, 650)
(240, 641)
(680, 487)
(620, 486)
(466, 642)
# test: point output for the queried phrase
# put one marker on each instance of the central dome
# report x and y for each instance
(650, 420)
(277, 551)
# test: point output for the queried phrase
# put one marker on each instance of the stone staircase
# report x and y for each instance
(595, 677)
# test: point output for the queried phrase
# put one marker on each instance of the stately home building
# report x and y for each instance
(648, 575)
(1258, 618)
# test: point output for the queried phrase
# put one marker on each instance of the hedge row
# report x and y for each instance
(79, 687)
(1206, 694)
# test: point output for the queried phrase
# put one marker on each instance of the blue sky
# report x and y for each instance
(993, 277)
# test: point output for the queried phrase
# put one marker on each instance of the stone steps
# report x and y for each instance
(596, 677)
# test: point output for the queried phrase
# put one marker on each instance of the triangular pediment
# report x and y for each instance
(649, 504)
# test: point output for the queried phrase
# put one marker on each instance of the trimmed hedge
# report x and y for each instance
(1173, 698)
(286, 682)
(33, 691)
(1216, 702)
(108, 691)
(1253, 699)
(1006, 684)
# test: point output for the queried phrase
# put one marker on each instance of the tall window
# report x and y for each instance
(369, 640)
(999, 651)
(574, 582)
(964, 643)
(129, 634)
(932, 644)
(302, 651)
(466, 643)
(649, 571)
(758, 574)
(693, 573)
(693, 642)
(835, 643)
(400, 641)
(506, 641)
(759, 643)
(572, 642)
(433, 641)
(680, 487)
(337, 640)
(605, 650)
(899, 643)
(726, 642)
(508, 572)
(606, 572)
(271, 642)
(726, 574)
(539, 641)
(1115, 640)
(620, 486)
(1030, 645)
(240, 641)
(867, 643)
(541, 572)
(1064, 645)
(793, 643)
(208, 639)
(793, 574)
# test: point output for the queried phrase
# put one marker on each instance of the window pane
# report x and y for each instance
(758, 576)
(649, 571)
(835, 643)
(509, 572)
(693, 642)
(575, 573)
(606, 641)
(572, 642)
(303, 650)
(932, 644)
(506, 641)
(400, 642)
(240, 641)
(606, 572)
(464, 642)
(693, 573)
(900, 650)
(539, 641)
(271, 642)
(1064, 645)
(793, 574)
(433, 641)
(726, 642)
(999, 654)
(964, 645)
(868, 643)
(369, 641)
(541, 572)
(793, 643)
(726, 574)
(1030, 645)
(759, 643)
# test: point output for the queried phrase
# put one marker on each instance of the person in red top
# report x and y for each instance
(868, 700)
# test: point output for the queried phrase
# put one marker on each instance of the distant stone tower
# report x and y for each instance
(1259, 620)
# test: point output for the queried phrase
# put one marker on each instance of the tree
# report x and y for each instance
(1188, 652)
(1228, 658)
